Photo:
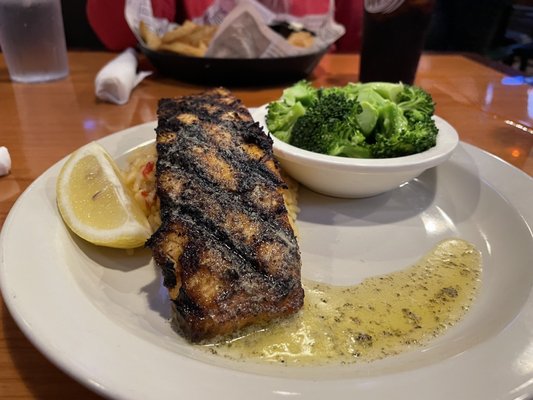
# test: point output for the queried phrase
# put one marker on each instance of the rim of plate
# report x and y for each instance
(108, 378)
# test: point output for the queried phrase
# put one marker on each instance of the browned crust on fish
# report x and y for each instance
(227, 251)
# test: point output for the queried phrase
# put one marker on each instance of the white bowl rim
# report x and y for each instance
(447, 141)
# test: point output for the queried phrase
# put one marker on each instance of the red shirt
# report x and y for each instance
(106, 18)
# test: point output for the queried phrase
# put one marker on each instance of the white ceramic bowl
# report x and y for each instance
(358, 177)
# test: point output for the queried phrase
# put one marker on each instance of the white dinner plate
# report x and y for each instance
(103, 317)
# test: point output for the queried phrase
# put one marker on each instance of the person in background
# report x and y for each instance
(350, 14)
(104, 25)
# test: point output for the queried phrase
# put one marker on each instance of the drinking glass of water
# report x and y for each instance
(32, 39)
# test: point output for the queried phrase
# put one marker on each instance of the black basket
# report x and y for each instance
(232, 71)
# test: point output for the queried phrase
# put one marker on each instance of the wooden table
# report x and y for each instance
(41, 123)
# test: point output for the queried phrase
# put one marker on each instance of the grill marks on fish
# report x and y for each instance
(228, 254)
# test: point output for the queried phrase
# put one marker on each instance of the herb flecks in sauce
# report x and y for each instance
(382, 316)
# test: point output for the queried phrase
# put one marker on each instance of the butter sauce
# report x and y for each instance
(381, 316)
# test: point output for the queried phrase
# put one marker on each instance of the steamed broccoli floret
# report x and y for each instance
(281, 118)
(367, 118)
(301, 92)
(416, 103)
(371, 105)
(391, 121)
(282, 114)
(329, 127)
(375, 119)
(396, 118)
(405, 126)
(417, 137)
(387, 90)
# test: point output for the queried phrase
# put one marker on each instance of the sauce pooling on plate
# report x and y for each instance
(379, 317)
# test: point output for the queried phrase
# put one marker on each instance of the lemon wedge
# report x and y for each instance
(95, 203)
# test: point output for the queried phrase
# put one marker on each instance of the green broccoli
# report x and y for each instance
(396, 118)
(375, 119)
(282, 114)
(329, 127)
(417, 137)
(416, 103)
(405, 125)
(301, 92)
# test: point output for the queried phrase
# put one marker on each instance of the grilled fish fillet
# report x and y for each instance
(226, 249)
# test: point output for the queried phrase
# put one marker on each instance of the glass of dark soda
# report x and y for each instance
(393, 38)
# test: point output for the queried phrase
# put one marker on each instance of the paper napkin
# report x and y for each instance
(5, 161)
(116, 79)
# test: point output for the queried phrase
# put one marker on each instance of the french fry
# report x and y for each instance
(301, 39)
(188, 39)
(202, 35)
(150, 37)
(184, 48)
(178, 33)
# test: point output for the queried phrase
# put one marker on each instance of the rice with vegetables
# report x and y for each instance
(140, 179)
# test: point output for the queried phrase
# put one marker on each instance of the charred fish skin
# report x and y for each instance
(226, 249)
